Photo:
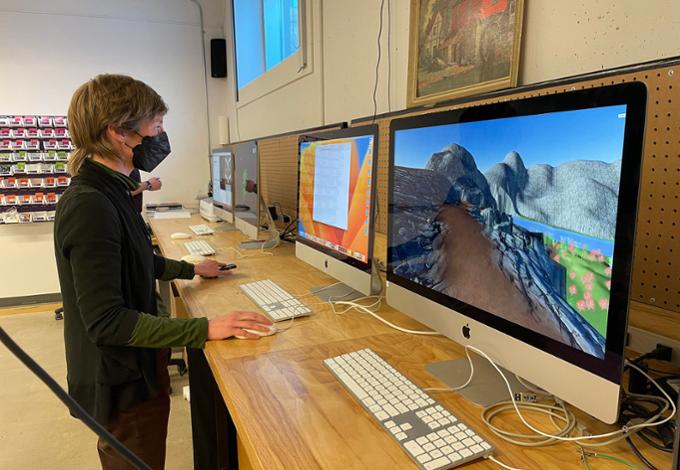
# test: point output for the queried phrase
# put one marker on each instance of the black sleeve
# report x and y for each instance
(91, 241)
(158, 266)
(167, 269)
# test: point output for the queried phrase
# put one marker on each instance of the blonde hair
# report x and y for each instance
(108, 100)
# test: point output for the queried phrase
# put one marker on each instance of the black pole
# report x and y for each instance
(72, 405)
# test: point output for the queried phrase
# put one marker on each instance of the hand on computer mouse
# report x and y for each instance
(237, 323)
(210, 268)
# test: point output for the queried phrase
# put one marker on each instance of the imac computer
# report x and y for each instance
(511, 229)
(336, 197)
(222, 175)
(246, 199)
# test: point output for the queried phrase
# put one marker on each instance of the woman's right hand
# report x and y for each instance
(233, 324)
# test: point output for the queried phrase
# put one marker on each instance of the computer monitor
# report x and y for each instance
(222, 175)
(511, 229)
(336, 198)
(246, 199)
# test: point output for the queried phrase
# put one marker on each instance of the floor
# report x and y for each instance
(36, 430)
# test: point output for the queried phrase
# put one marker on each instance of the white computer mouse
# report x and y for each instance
(272, 329)
(180, 236)
(193, 259)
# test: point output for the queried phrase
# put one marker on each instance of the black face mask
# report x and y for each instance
(150, 152)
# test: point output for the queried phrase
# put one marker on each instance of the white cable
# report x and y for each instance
(374, 304)
(404, 330)
(625, 430)
(490, 411)
(501, 464)
(459, 387)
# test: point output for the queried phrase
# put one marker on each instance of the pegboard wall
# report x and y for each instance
(278, 171)
(656, 267)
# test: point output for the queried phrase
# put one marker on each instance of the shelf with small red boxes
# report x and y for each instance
(33, 155)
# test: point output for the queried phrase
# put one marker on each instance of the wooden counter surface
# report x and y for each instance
(292, 413)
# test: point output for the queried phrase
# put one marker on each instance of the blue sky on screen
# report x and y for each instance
(553, 139)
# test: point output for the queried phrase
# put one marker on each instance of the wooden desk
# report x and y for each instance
(290, 411)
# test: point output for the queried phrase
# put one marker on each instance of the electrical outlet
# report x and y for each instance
(642, 341)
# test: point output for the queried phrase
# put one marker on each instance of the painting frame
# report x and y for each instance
(472, 61)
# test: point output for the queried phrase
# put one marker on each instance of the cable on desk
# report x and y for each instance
(501, 464)
(370, 312)
(582, 440)
(611, 457)
(639, 454)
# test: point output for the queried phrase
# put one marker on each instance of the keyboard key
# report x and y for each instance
(437, 463)
(413, 448)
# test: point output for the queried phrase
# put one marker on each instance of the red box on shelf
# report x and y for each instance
(47, 133)
(60, 132)
(39, 198)
(33, 133)
(32, 144)
(29, 121)
(45, 121)
(5, 132)
(51, 144)
(51, 198)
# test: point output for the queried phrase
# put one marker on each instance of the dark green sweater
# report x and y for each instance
(107, 272)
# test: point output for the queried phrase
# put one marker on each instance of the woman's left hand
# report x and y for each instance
(209, 268)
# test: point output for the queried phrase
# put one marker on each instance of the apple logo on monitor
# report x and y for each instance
(466, 332)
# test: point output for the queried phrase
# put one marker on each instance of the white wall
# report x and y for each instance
(50, 47)
(560, 39)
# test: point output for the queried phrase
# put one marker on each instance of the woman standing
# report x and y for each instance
(116, 344)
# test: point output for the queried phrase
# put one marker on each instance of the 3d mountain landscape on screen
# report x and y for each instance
(513, 231)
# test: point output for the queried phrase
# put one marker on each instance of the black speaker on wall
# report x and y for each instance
(218, 58)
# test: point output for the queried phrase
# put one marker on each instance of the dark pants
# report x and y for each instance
(142, 428)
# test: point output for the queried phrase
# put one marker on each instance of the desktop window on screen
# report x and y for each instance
(335, 194)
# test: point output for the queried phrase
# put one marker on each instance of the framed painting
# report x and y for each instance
(462, 47)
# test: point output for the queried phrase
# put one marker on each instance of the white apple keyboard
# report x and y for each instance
(432, 436)
(199, 247)
(276, 303)
(201, 229)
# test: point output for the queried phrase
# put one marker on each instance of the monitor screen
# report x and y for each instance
(336, 192)
(221, 177)
(520, 215)
(246, 199)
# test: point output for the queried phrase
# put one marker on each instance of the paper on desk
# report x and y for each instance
(172, 215)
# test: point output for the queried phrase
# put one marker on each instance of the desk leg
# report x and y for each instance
(212, 429)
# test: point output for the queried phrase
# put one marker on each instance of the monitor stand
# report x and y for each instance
(224, 227)
(486, 387)
(338, 291)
